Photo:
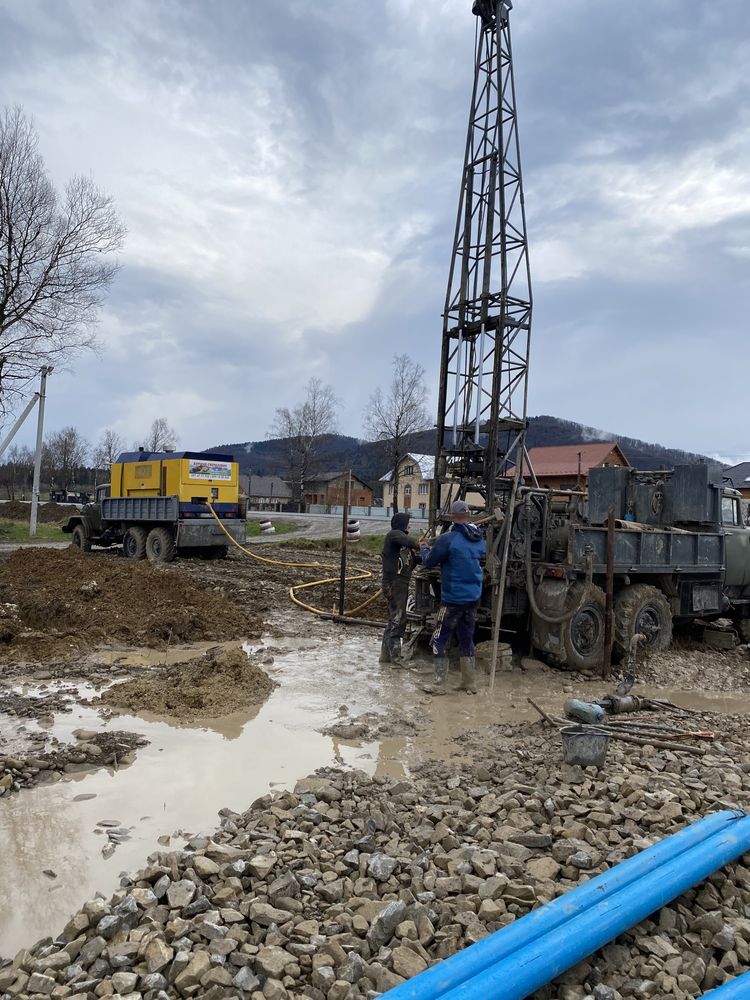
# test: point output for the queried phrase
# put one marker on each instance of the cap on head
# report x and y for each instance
(460, 507)
(400, 522)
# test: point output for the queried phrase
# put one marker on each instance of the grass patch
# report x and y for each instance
(17, 532)
(283, 527)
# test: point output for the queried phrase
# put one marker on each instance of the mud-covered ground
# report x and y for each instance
(466, 818)
(57, 604)
(215, 684)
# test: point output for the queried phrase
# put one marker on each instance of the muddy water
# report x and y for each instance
(188, 772)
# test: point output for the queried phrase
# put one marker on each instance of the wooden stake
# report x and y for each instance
(610, 594)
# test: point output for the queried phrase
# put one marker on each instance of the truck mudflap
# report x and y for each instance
(197, 534)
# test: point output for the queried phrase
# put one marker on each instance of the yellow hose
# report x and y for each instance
(362, 574)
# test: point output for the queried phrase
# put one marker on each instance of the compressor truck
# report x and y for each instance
(157, 504)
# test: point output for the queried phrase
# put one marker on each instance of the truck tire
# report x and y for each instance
(644, 609)
(160, 546)
(80, 539)
(583, 634)
(134, 543)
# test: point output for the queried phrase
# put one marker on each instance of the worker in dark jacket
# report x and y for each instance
(400, 553)
(458, 553)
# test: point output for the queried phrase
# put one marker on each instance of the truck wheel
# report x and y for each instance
(642, 609)
(134, 543)
(80, 539)
(583, 634)
(160, 545)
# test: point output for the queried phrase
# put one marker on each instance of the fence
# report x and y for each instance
(375, 512)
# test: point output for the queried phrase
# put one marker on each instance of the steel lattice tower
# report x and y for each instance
(487, 319)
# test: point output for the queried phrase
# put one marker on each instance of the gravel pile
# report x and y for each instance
(349, 884)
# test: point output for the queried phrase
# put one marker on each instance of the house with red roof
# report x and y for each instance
(567, 466)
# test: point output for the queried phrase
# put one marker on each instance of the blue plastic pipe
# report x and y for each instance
(441, 978)
(548, 956)
(737, 989)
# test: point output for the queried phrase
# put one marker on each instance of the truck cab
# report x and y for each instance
(737, 546)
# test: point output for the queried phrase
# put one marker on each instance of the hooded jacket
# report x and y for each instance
(458, 553)
(392, 556)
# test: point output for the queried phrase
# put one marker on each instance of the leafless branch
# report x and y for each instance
(302, 428)
(57, 259)
(395, 416)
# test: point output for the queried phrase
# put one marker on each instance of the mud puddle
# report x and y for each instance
(189, 771)
(177, 784)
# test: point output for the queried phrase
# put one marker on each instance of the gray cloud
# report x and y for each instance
(288, 173)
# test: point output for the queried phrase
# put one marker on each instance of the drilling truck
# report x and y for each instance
(678, 552)
(677, 549)
(157, 504)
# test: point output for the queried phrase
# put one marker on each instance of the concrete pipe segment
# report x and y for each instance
(520, 958)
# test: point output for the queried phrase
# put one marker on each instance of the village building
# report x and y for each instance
(739, 477)
(265, 492)
(329, 489)
(416, 479)
(566, 467)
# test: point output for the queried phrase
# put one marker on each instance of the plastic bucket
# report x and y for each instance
(584, 746)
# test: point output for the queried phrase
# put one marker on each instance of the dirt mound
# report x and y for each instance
(218, 683)
(63, 602)
(48, 513)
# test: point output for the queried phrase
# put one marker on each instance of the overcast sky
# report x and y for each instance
(288, 171)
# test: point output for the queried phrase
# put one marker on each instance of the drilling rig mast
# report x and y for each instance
(481, 420)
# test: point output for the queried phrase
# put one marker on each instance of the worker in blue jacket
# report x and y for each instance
(458, 553)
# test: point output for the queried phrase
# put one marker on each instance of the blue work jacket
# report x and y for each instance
(458, 553)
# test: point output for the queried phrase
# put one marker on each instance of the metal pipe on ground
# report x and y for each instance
(736, 989)
(479, 957)
(548, 956)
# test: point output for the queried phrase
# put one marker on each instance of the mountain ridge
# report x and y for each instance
(369, 459)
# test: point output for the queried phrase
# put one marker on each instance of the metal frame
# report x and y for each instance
(481, 420)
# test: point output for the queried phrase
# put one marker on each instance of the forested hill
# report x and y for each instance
(368, 459)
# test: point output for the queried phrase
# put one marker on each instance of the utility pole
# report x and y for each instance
(45, 371)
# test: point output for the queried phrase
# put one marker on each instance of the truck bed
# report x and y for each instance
(649, 551)
(140, 509)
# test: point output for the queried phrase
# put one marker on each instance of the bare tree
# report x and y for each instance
(395, 416)
(109, 447)
(303, 427)
(67, 451)
(56, 259)
(161, 436)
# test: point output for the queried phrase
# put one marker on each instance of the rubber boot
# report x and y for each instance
(468, 675)
(385, 652)
(439, 673)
